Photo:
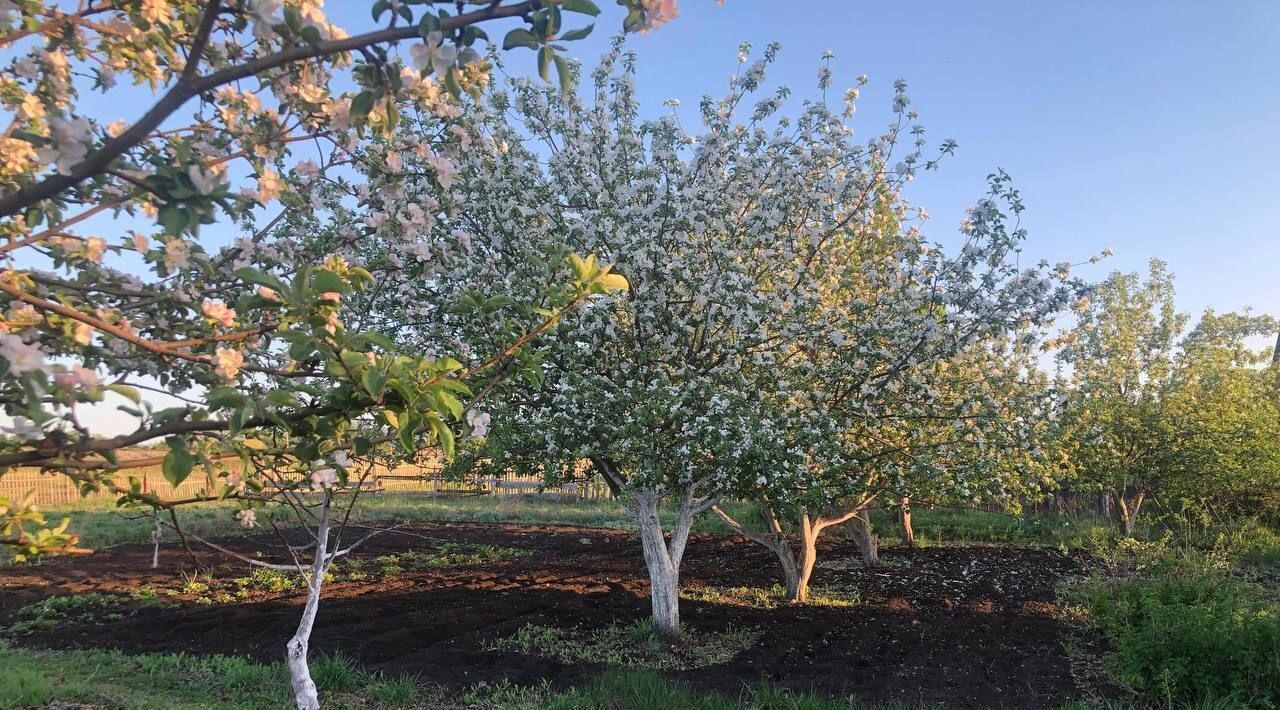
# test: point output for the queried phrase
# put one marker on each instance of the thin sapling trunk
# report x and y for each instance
(305, 696)
(908, 532)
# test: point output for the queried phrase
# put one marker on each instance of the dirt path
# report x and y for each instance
(962, 626)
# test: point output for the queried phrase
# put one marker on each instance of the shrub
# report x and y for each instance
(1182, 634)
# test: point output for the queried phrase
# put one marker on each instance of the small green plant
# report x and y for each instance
(147, 598)
(80, 608)
(628, 645)
(769, 598)
(392, 691)
(197, 582)
(335, 671)
(264, 579)
(448, 554)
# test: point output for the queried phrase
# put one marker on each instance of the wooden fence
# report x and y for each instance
(56, 489)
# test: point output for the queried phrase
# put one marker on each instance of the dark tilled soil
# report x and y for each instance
(957, 626)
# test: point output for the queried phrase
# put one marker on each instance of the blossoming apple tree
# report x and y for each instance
(747, 247)
(123, 271)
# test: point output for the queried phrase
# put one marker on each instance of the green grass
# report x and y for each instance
(767, 598)
(947, 526)
(629, 645)
(100, 524)
(111, 679)
(649, 690)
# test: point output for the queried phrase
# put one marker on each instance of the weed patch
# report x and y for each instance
(629, 646)
(768, 598)
(81, 608)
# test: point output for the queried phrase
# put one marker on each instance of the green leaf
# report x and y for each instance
(544, 63)
(173, 219)
(572, 35)
(406, 434)
(361, 105)
(251, 275)
(302, 349)
(520, 37)
(553, 20)
(177, 465)
(496, 302)
(634, 20)
(451, 82)
(361, 446)
(563, 73)
(586, 7)
(127, 392)
(443, 434)
(378, 339)
(374, 381)
(237, 419)
(325, 280)
(282, 398)
(430, 23)
(450, 402)
(220, 397)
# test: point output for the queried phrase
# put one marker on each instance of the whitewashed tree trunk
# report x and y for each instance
(868, 542)
(155, 544)
(305, 696)
(663, 557)
(908, 532)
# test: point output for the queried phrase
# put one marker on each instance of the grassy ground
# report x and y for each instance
(100, 524)
(177, 682)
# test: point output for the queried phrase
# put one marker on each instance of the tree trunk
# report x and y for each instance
(155, 544)
(1130, 510)
(662, 558)
(908, 532)
(1106, 505)
(868, 542)
(304, 688)
(809, 531)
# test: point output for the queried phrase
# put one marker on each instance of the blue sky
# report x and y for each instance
(1147, 127)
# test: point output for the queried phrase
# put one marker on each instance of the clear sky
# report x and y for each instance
(1150, 127)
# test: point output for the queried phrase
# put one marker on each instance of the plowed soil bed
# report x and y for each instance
(958, 626)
